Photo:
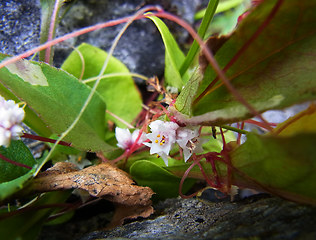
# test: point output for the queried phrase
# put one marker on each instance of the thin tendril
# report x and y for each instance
(51, 31)
(110, 75)
(186, 173)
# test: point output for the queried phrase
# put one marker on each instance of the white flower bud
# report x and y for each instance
(190, 142)
(11, 116)
(126, 139)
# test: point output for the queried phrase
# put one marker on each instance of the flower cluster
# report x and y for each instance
(165, 134)
(11, 116)
(162, 138)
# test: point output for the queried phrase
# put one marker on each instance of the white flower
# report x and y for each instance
(11, 116)
(162, 137)
(188, 139)
(126, 139)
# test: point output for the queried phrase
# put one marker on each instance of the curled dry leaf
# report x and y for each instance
(104, 181)
(123, 212)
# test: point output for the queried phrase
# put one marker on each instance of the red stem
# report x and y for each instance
(51, 32)
(226, 157)
(186, 173)
(44, 139)
(14, 162)
(206, 177)
(259, 124)
(239, 134)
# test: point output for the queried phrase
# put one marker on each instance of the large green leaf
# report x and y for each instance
(57, 97)
(174, 57)
(285, 166)
(18, 152)
(119, 92)
(275, 71)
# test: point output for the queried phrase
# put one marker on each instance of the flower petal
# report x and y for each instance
(123, 137)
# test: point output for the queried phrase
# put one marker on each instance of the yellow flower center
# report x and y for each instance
(160, 139)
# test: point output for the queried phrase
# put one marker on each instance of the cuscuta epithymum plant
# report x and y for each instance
(220, 169)
(208, 56)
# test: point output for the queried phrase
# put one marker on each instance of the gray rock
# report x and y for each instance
(19, 26)
(258, 217)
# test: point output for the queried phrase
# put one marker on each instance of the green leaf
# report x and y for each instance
(27, 224)
(185, 99)
(282, 73)
(284, 166)
(174, 57)
(57, 97)
(31, 119)
(18, 152)
(222, 7)
(208, 16)
(226, 22)
(119, 92)
(161, 181)
(7, 189)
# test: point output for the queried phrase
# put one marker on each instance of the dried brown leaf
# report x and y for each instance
(123, 212)
(104, 181)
